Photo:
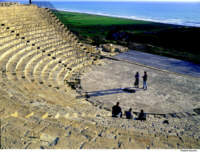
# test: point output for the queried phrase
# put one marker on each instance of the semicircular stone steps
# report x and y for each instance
(12, 64)
(5, 35)
(12, 23)
(21, 17)
(35, 37)
(8, 42)
(15, 55)
(54, 54)
(60, 75)
(31, 36)
(24, 100)
(60, 56)
(33, 29)
(43, 112)
(34, 62)
(28, 26)
(9, 51)
(56, 70)
(63, 74)
(38, 69)
(26, 62)
(21, 27)
(45, 30)
(22, 54)
(50, 72)
(15, 50)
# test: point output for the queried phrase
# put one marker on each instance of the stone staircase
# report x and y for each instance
(31, 38)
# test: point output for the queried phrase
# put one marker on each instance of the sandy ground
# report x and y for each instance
(167, 92)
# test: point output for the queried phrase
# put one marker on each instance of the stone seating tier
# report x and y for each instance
(37, 55)
(35, 43)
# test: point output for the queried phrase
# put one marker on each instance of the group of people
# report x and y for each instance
(137, 80)
(117, 112)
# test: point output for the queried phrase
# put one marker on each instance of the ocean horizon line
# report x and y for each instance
(177, 22)
(150, 1)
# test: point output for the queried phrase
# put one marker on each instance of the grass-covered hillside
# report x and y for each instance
(163, 39)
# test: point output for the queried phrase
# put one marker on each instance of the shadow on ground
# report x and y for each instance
(112, 91)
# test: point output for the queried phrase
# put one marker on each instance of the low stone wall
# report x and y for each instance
(113, 48)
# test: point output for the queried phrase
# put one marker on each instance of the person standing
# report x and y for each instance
(137, 76)
(145, 80)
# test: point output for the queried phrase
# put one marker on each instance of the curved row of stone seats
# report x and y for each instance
(7, 43)
(45, 32)
(51, 75)
(30, 55)
(51, 71)
(62, 75)
(22, 56)
(25, 110)
(23, 32)
(29, 120)
(39, 71)
(16, 19)
(43, 63)
(11, 47)
(30, 30)
(63, 66)
(8, 38)
(21, 23)
(40, 35)
(2, 4)
(5, 49)
(61, 55)
(21, 59)
(23, 29)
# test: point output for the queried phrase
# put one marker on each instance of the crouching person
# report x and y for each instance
(116, 111)
(142, 116)
(129, 114)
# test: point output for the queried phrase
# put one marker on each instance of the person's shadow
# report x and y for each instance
(111, 91)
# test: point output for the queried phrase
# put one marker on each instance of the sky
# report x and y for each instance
(132, 0)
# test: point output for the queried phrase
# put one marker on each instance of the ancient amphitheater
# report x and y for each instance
(42, 105)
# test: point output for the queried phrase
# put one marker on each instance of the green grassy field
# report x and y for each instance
(92, 26)
(163, 39)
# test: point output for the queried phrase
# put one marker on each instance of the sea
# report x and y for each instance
(178, 13)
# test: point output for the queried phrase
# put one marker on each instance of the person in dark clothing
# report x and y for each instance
(137, 76)
(129, 114)
(116, 111)
(142, 116)
(145, 80)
